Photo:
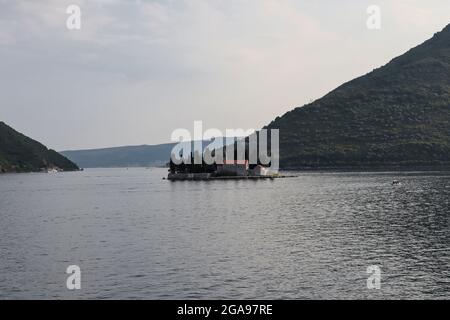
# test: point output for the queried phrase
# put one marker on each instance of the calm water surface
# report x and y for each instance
(135, 235)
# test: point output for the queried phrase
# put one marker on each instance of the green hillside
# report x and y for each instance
(397, 115)
(18, 153)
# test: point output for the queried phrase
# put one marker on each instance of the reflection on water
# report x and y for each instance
(135, 235)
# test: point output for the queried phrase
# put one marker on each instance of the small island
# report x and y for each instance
(228, 169)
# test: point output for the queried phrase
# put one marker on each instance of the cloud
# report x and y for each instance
(137, 38)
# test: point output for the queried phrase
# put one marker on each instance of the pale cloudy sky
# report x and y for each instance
(137, 70)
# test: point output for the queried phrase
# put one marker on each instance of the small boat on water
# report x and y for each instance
(396, 183)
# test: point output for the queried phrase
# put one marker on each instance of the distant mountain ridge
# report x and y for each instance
(127, 156)
(19, 153)
(397, 115)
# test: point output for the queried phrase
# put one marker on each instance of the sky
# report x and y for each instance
(137, 70)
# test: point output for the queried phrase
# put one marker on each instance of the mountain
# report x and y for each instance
(395, 116)
(18, 153)
(128, 156)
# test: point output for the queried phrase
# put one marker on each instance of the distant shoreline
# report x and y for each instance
(324, 169)
(290, 169)
(35, 171)
(370, 169)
